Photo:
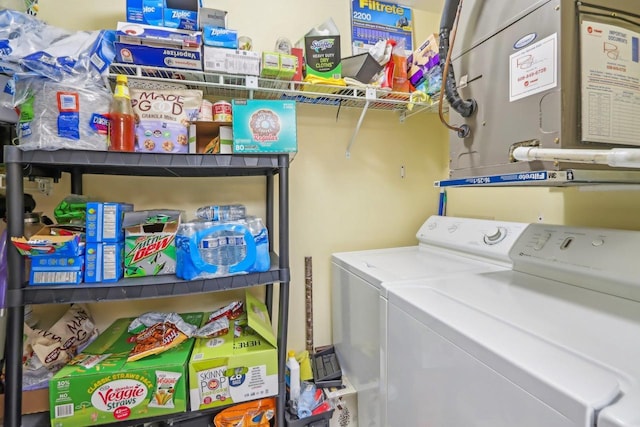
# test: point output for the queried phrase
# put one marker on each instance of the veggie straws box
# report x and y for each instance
(231, 369)
(99, 386)
(264, 126)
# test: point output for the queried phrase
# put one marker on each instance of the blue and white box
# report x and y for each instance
(104, 221)
(150, 12)
(220, 37)
(158, 47)
(181, 14)
(56, 270)
(103, 262)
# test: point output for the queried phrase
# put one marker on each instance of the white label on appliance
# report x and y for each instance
(610, 84)
(533, 69)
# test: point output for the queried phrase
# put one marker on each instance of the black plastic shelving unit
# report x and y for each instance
(77, 163)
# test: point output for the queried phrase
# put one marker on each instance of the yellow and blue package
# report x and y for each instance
(212, 249)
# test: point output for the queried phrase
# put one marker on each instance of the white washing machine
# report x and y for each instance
(360, 280)
(555, 342)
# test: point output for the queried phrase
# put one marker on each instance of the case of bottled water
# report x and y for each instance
(212, 248)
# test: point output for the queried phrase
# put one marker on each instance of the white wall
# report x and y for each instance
(336, 204)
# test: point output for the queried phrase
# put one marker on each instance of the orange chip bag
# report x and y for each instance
(256, 413)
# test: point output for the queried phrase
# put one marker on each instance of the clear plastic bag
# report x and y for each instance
(70, 114)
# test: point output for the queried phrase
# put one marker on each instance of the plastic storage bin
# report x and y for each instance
(320, 420)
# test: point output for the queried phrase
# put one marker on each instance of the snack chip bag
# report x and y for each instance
(157, 332)
(257, 413)
(165, 389)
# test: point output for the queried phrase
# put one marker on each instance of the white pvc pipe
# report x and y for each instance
(615, 157)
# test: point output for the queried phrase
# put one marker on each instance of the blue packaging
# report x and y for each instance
(150, 12)
(212, 249)
(103, 262)
(56, 270)
(158, 56)
(264, 126)
(219, 37)
(104, 221)
(181, 14)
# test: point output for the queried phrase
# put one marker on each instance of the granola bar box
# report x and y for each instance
(99, 386)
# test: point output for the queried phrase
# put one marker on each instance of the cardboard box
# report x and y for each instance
(322, 56)
(345, 403)
(263, 126)
(51, 240)
(299, 54)
(149, 12)
(220, 37)
(158, 47)
(230, 369)
(99, 386)
(277, 65)
(212, 17)
(423, 59)
(33, 401)
(56, 270)
(104, 221)
(149, 242)
(103, 262)
(211, 138)
(230, 61)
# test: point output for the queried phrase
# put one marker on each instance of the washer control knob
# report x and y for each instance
(495, 235)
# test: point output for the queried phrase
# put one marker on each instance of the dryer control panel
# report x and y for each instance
(604, 260)
(481, 237)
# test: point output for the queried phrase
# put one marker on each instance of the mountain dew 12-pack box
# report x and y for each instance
(149, 248)
(100, 385)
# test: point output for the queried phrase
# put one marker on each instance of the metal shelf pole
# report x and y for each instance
(15, 320)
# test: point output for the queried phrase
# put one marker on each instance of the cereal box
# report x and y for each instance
(104, 221)
(264, 126)
(237, 366)
(149, 242)
(99, 386)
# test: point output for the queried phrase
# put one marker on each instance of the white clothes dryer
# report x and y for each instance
(555, 342)
(360, 282)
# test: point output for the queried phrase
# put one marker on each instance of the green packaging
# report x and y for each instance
(99, 386)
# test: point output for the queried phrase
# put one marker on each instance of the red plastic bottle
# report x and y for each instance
(122, 135)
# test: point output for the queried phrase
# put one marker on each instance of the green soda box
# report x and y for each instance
(149, 242)
(99, 386)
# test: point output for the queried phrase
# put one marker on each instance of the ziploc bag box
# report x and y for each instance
(423, 59)
(56, 270)
(104, 221)
(182, 14)
(158, 46)
(264, 126)
(103, 262)
(220, 37)
(149, 242)
(150, 12)
(99, 386)
(231, 369)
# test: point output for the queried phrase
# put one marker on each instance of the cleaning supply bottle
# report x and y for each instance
(292, 376)
(123, 124)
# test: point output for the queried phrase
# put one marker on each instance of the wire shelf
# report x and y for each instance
(228, 86)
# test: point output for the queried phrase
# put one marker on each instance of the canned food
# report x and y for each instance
(222, 112)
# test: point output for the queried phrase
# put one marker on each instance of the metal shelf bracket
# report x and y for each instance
(370, 95)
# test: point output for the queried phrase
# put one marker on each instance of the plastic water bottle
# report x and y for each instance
(223, 248)
(292, 377)
(222, 212)
(122, 133)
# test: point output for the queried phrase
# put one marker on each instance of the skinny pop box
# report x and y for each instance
(99, 386)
